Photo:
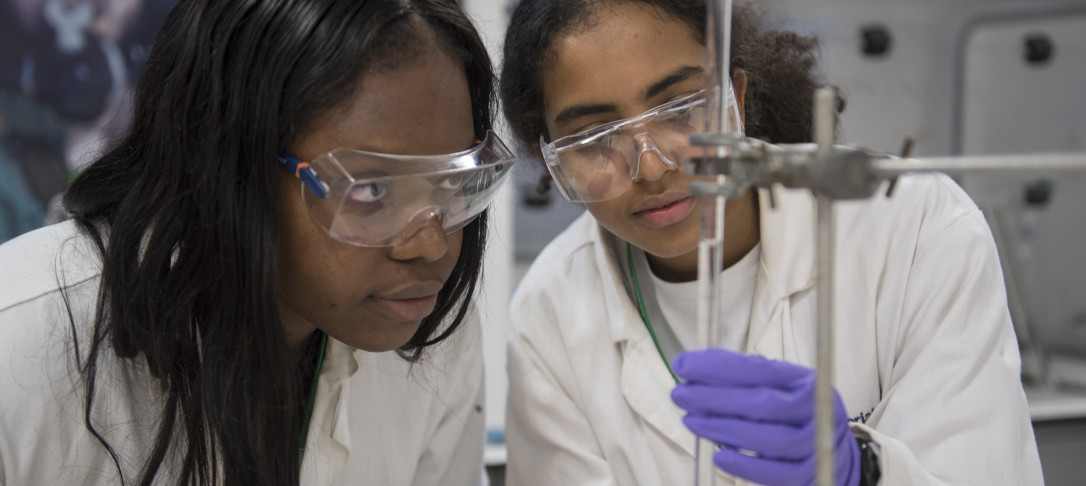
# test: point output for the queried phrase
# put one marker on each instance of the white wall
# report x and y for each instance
(910, 91)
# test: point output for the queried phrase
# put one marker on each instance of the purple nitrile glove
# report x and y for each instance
(761, 412)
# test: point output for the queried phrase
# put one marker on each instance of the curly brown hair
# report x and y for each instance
(780, 66)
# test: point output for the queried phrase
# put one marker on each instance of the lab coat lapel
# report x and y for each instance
(646, 381)
(647, 385)
(617, 309)
(328, 444)
(782, 312)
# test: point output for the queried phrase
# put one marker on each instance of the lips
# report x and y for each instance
(657, 202)
(664, 211)
(410, 303)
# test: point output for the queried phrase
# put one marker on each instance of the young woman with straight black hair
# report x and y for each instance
(606, 384)
(267, 279)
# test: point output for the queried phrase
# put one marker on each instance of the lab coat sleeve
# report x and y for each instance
(953, 410)
(455, 453)
(549, 439)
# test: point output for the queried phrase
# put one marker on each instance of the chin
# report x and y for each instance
(670, 252)
(669, 245)
(381, 342)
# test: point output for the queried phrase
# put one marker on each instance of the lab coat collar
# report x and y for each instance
(328, 445)
(788, 237)
(621, 310)
(788, 240)
(787, 268)
(646, 383)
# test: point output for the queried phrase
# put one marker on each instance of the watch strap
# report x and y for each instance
(869, 462)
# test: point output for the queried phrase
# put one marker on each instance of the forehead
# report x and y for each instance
(627, 49)
(420, 107)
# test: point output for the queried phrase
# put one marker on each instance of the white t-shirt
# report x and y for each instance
(679, 304)
(669, 310)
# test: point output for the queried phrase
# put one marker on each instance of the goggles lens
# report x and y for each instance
(373, 199)
(603, 162)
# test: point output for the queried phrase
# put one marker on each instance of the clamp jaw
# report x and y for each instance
(844, 173)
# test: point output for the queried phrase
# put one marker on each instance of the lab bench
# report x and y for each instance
(1059, 423)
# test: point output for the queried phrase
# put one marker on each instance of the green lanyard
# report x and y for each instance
(645, 313)
(312, 397)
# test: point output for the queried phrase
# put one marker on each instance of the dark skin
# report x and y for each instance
(374, 298)
(592, 82)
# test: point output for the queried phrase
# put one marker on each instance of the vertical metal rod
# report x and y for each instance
(823, 382)
(711, 241)
(723, 15)
(718, 40)
(825, 125)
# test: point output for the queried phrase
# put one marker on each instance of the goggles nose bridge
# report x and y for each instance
(420, 219)
(424, 215)
(643, 144)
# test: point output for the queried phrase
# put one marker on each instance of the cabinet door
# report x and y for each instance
(1018, 100)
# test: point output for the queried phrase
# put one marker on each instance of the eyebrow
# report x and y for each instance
(577, 111)
(679, 75)
(676, 76)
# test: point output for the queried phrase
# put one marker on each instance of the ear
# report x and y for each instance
(739, 85)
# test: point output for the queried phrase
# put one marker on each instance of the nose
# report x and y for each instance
(424, 238)
(658, 163)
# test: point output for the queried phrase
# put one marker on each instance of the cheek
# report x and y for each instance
(667, 242)
(316, 272)
(325, 283)
(612, 214)
(600, 183)
(298, 237)
(455, 242)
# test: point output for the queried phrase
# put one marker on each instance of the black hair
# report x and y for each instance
(185, 212)
(780, 65)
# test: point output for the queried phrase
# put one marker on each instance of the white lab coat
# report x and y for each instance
(925, 355)
(377, 419)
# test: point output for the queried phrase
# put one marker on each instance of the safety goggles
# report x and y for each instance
(603, 162)
(375, 199)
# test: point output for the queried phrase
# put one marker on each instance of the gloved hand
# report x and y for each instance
(763, 406)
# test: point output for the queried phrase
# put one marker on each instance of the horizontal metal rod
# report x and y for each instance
(1048, 164)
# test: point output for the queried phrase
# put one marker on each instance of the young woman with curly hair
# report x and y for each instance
(601, 365)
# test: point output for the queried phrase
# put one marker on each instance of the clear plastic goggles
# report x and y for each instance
(603, 162)
(374, 199)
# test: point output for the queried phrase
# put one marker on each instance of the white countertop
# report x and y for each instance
(1047, 405)
(494, 455)
(1063, 402)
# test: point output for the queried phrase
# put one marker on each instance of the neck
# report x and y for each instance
(301, 349)
(741, 234)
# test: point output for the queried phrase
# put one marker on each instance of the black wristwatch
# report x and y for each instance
(869, 462)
